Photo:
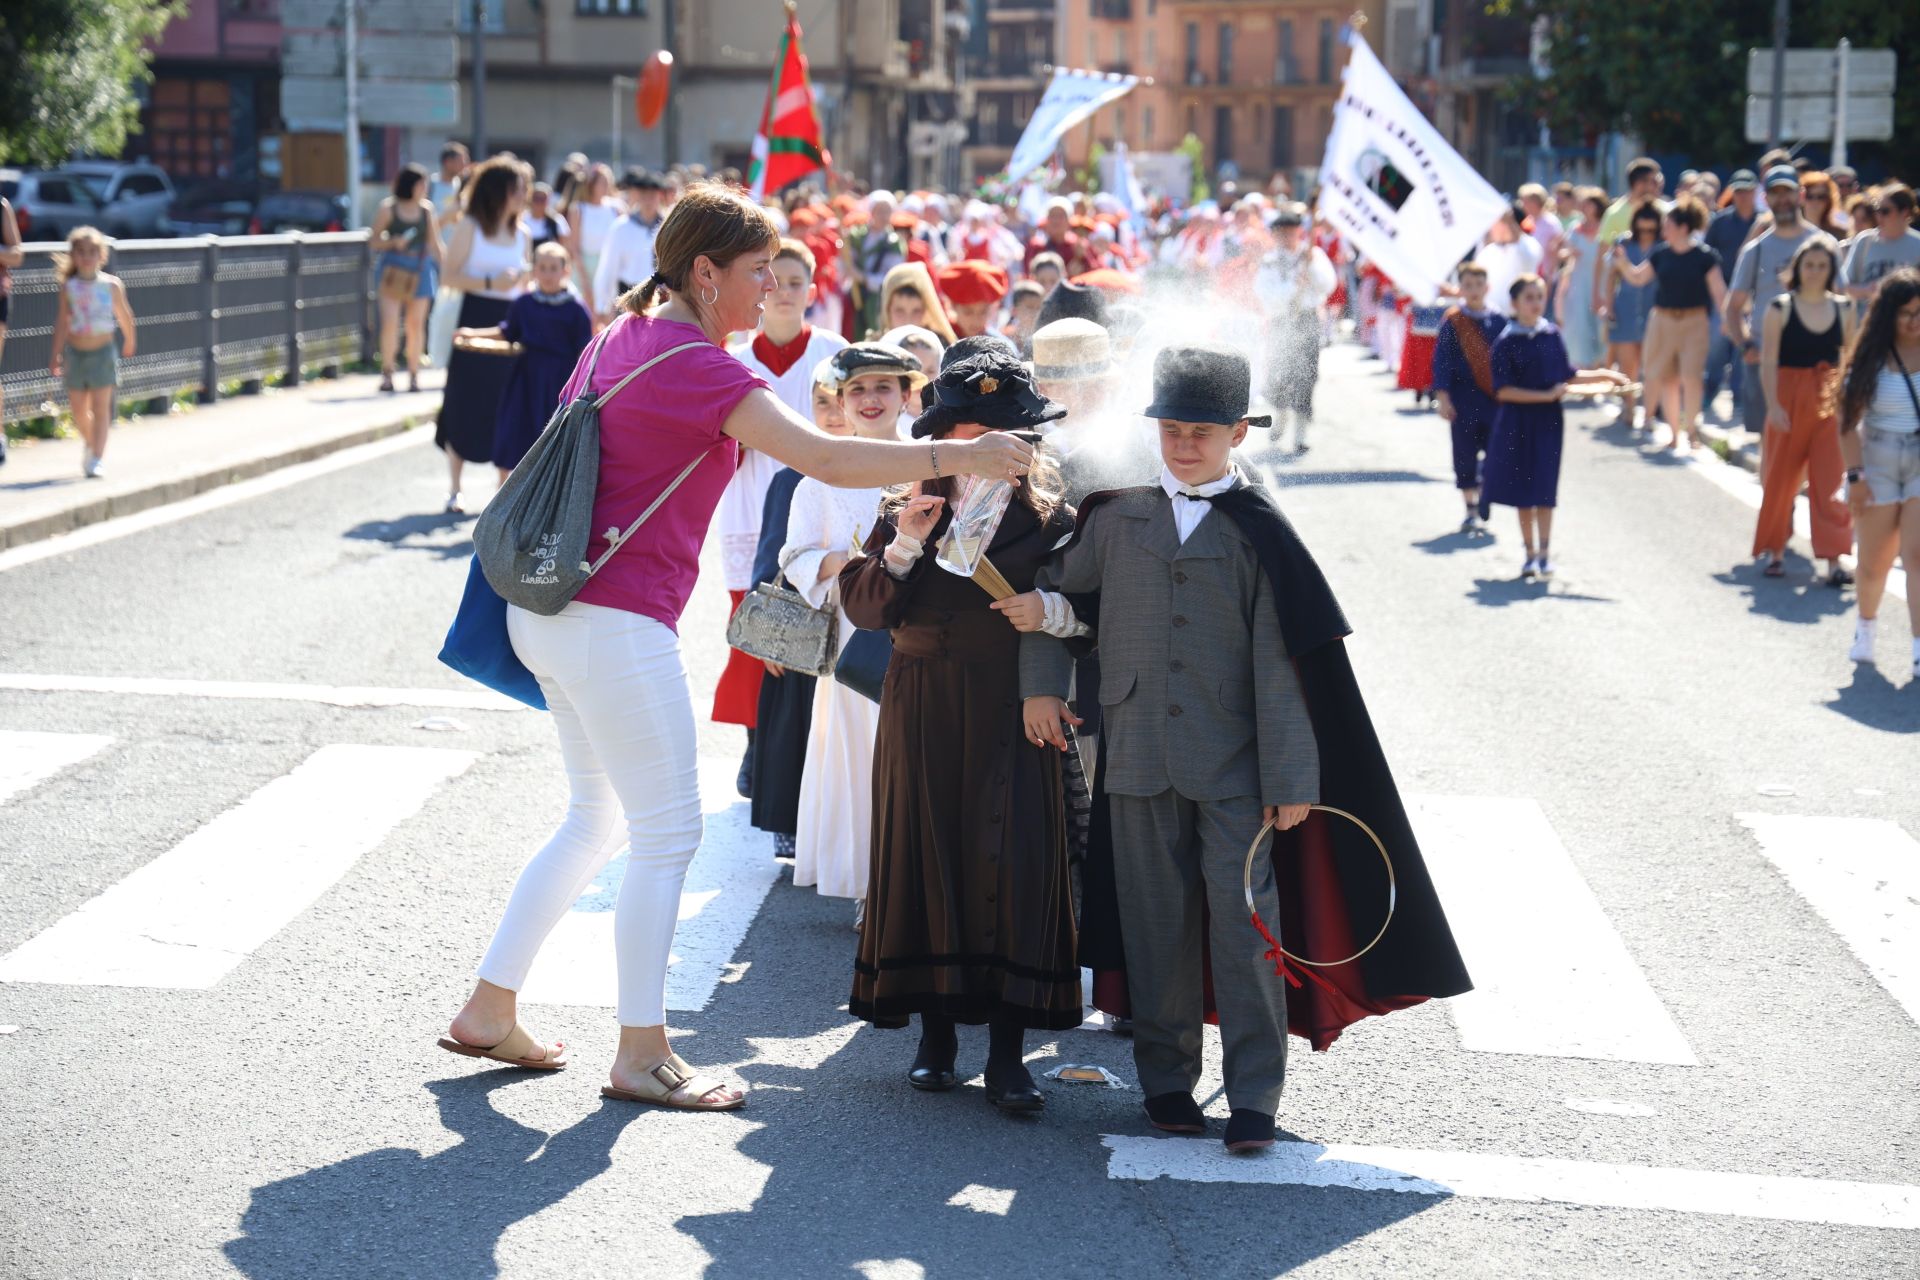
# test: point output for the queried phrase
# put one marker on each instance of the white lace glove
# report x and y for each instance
(902, 554)
(1061, 622)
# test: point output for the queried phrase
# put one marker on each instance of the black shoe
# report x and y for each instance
(1121, 1026)
(932, 1070)
(1249, 1131)
(1011, 1088)
(743, 781)
(1176, 1113)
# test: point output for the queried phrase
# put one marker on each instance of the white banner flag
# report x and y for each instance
(1393, 188)
(1071, 97)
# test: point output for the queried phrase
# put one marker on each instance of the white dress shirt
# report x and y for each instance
(1189, 511)
(627, 255)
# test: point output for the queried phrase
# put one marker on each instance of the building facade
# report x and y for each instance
(1254, 80)
(212, 111)
(1010, 54)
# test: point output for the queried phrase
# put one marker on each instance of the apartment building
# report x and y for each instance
(1010, 54)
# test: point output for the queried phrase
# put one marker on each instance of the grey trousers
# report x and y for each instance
(1170, 855)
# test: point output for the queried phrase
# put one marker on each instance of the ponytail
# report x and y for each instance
(641, 297)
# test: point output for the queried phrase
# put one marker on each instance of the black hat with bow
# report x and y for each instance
(991, 388)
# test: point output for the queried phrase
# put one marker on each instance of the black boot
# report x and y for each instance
(1010, 1085)
(933, 1064)
(743, 782)
(1176, 1113)
(1249, 1131)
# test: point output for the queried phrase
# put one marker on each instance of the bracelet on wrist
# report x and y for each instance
(934, 448)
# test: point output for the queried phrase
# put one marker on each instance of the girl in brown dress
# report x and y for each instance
(970, 907)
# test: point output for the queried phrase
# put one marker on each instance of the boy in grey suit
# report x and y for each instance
(1206, 736)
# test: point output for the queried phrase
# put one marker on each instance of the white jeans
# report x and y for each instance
(618, 692)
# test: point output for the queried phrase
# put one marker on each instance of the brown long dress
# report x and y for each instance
(970, 904)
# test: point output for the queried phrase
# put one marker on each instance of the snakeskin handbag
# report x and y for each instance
(775, 624)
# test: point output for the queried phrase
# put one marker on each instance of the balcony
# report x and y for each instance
(1112, 10)
(1020, 11)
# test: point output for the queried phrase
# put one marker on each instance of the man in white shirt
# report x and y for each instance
(1508, 254)
(627, 258)
(1546, 229)
(1294, 281)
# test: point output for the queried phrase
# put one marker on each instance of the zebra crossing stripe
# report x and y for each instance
(469, 699)
(726, 884)
(1863, 876)
(29, 757)
(1527, 1179)
(1551, 975)
(191, 915)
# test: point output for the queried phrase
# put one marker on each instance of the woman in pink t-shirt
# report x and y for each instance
(609, 663)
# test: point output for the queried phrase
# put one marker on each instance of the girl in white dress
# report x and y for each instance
(827, 526)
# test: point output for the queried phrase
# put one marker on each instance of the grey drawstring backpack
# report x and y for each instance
(531, 540)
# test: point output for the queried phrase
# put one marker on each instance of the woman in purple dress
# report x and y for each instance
(552, 327)
(1530, 376)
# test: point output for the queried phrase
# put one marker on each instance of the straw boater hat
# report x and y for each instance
(1071, 350)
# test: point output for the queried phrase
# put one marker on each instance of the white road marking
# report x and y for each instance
(1551, 976)
(1863, 876)
(28, 757)
(725, 886)
(1745, 486)
(994, 1200)
(191, 915)
(212, 500)
(1522, 1178)
(471, 699)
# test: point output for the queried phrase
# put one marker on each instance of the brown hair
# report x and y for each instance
(487, 190)
(1813, 244)
(1897, 195)
(711, 221)
(63, 267)
(1520, 283)
(1592, 199)
(1466, 269)
(794, 251)
(1872, 343)
(1688, 212)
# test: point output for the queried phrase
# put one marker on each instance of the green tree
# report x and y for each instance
(70, 71)
(1674, 72)
(1196, 153)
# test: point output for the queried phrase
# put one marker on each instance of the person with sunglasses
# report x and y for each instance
(1893, 243)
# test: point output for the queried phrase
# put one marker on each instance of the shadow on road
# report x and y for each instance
(1289, 479)
(1798, 597)
(395, 1212)
(1872, 700)
(1498, 593)
(1449, 543)
(417, 533)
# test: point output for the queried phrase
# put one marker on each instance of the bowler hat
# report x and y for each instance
(1073, 300)
(1204, 384)
(991, 388)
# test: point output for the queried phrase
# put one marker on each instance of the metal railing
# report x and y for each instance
(207, 311)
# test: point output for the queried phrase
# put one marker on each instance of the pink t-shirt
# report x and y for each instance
(659, 423)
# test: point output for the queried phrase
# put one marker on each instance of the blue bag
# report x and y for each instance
(478, 646)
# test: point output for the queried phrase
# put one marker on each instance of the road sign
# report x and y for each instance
(382, 56)
(1811, 72)
(320, 103)
(1811, 119)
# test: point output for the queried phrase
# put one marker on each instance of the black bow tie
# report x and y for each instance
(1191, 496)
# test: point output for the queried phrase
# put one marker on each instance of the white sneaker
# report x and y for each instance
(96, 467)
(1543, 567)
(86, 462)
(1862, 650)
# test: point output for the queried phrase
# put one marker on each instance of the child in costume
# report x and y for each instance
(1293, 282)
(1463, 384)
(970, 916)
(1228, 702)
(551, 326)
(824, 528)
(783, 713)
(784, 351)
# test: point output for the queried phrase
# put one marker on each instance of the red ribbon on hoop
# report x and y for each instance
(1280, 966)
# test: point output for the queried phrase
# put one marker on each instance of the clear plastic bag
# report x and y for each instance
(977, 510)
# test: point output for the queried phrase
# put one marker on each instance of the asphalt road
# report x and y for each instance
(1638, 721)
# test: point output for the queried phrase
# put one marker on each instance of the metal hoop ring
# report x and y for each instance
(1393, 887)
(715, 298)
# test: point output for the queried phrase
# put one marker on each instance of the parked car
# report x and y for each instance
(133, 198)
(216, 208)
(49, 205)
(280, 211)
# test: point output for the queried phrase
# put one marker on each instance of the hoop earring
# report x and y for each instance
(715, 298)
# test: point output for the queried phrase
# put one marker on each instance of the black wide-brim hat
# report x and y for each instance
(991, 388)
(1204, 384)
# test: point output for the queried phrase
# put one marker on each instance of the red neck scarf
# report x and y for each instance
(779, 359)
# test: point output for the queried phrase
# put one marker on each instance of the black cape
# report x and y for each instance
(1332, 885)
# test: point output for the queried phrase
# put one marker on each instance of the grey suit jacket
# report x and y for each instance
(1196, 689)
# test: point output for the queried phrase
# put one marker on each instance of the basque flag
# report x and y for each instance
(789, 145)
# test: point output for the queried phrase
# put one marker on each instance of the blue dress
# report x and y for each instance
(552, 331)
(1581, 328)
(1472, 407)
(1632, 303)
(1523, 452)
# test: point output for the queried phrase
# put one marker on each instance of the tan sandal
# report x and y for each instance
(673, 1077)
(513, 1051)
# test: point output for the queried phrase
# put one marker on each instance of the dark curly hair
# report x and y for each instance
(1872, 347)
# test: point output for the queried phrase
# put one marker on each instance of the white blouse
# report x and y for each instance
(824, 520)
